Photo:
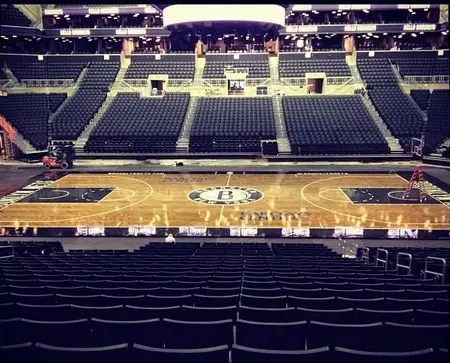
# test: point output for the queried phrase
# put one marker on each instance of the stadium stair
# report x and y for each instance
(284, 147)
(393, 143)
(84, 136)
(274, 73)
(199, 69)
(183, 140)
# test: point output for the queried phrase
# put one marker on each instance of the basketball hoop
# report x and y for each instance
(416, 146)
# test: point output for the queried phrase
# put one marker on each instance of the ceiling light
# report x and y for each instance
(87, 15)
(136, 15)
(414, 35)
(14, 36)
(410, 10)
(66, 16)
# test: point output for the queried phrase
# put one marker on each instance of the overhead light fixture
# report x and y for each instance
(66, 16)
(136, 15)
(14, 36)
(385, 33)
(414, 35)
(87, 15)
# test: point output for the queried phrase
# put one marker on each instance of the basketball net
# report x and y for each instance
(416, 181)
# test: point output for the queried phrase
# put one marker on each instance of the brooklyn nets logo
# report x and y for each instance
(225, 195)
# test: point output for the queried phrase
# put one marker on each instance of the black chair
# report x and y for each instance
(17, 353)
(278, 336)
(405, 337)
(8, 311)
(145, 313)
(215, 301)
(425, 317)
(367, 316)
(357, 356)
(270, 302)
(341, 316)
(11, 332)
(191, 313)
(72, 333)
(190, 334)
(143, 354)
(241, 354)
(267, 315)
(116, 312)
(354, 336)
(57, 354)
(112, 332)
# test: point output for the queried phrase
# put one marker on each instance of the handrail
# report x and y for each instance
(426, 79)
(378, 259)
(407, 267)
(440, 274)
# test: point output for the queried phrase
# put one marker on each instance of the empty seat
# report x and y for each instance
(57, 354)
(217, 354)
(189, 334)
(274, 315)
(355, 336)
(278, 336)
(242, 354)
(356, 356)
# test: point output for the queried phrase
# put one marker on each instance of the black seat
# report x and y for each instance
(426, 317)
(17, 353)
(366, 316)
(404, 337)
(72, 333)
(110, 332)
(357, 356)
(144, 313)
(142, 353)
(355, 336)
(58, 354)
(241, 354)
(190, 334)
(191, 313)
(342, 316)
(279, 315)
(278, 336)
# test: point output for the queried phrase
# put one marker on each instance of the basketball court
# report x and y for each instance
(222, 200)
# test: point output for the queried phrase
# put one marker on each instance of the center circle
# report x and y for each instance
(227, 195)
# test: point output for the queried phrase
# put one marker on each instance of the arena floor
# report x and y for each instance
(223, 200)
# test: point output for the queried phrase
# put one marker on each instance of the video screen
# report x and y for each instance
(403, 233)
(348, 232)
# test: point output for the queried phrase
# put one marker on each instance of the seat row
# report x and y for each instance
(184, 334)
(138, 353)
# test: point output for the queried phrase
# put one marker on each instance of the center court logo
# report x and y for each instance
(225, 195)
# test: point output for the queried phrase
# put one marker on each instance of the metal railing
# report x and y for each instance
(378, 259)
(407, 267)
(235, 70)
(178, 82)
(294, 81)
(257, 81)
(135, 82)
(439, 274)
(340, 80)
(426, 79)
(47, 83)
(215, 82)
